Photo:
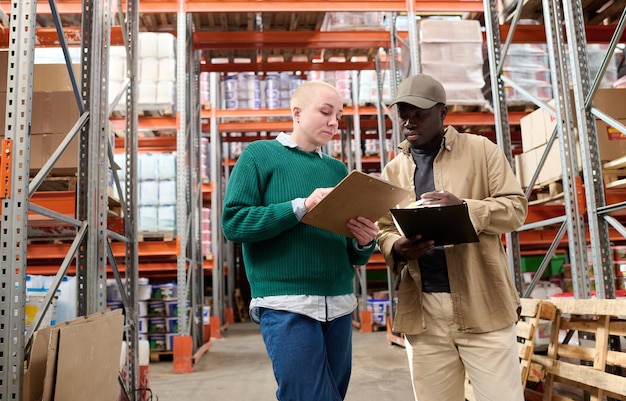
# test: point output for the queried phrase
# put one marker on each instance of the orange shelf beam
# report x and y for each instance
(151, 269)
(47, 37)
(168, 123)
(289, 66)
(204, 6)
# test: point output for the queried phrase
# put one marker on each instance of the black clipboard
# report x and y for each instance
(446, 225)
(358, 194)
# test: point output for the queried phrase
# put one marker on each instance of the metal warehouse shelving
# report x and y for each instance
(580, 221)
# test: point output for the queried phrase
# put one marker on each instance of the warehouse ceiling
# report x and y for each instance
(263, 30)
(274, 34)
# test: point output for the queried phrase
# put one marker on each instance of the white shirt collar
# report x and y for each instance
(286, 141)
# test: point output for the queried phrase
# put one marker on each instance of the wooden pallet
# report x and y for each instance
(548, 193)
(161, 356)
(589, 365)
(155, 235)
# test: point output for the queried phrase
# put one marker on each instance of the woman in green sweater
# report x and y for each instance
(301, 277)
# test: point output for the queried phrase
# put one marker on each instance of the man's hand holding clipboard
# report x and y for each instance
(438, 216)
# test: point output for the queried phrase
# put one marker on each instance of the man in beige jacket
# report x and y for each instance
(457, 304)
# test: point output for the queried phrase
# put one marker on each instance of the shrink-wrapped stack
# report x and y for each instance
(451, 52)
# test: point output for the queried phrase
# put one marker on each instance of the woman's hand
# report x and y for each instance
(364, 230)
(316, 197)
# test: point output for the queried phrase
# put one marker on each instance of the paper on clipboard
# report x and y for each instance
(445, 225)
(358, 194)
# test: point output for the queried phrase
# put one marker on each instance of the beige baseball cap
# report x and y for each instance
(421, 91)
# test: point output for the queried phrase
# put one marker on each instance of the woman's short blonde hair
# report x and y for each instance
(305, 92)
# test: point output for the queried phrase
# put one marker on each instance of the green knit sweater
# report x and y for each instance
(281, 255)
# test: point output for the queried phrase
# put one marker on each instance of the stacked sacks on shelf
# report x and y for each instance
(527, 65)
(117, 75)
(157, 193)
(450, 50)
(353, 20)
(167, 192)
(595, 54)
(157, 72)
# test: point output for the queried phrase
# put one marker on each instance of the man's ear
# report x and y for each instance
(444, 112)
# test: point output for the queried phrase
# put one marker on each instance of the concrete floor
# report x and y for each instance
(236, 368)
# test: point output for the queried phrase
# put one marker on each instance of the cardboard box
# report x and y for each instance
(534, 130)
(611, 143)
(54, 108)
(76, 360)
(41, 148)
(527, 163)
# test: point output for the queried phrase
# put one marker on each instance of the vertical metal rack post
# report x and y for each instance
(588, 141)
(217, 238)
(188, 199)
(15, 149)
(570, 94)
(91, 244)
(129, 195)
(501, 115)
(91, 197)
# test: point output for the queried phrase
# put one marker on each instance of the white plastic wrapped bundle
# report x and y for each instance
(120, 160)
(166, 45)
(148, 166)
(147, 93)
(117, 68)
(167, 166)
(116, 194)
(148, 193)
(117, 51)
(148, 69)
(148, 45)
(115, 88)
(442, 30)
(165, 92)
(167, 69)
(147, 219)
(167, 192)
(167, 218)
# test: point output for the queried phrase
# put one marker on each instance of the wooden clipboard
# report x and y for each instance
(358, 194)
(445, 225)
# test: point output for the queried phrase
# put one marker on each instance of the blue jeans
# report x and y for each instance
(312, 360)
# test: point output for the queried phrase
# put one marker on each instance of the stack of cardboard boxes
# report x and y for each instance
(54, 113)
(537, 127)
